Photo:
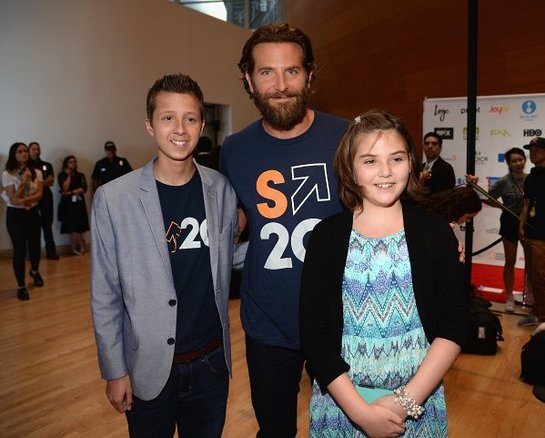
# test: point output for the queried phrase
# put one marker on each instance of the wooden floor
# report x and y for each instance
(50, 384)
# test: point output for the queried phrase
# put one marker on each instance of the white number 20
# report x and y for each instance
(276, 259)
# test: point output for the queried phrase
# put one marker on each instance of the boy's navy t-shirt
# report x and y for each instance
(187, 239)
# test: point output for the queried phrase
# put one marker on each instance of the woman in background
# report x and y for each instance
(510, 189)
(22, 192)
(72, 209)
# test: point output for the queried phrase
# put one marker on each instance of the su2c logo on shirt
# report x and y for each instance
(313, 187)
(178, 239)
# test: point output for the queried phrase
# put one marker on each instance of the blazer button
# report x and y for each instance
(171, 341)
(172, 303)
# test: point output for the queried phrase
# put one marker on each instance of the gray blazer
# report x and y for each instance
(131, 276)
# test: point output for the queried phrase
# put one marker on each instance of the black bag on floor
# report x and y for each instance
(484, 329)
(532, 359)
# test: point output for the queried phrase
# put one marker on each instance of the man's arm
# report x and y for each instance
(108, 306)
(94, 177)
(49, 181)
(448, 179)
(522, 219)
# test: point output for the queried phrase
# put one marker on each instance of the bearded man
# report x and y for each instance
(281, 167)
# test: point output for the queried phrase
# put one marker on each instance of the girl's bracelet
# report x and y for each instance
(403, 398)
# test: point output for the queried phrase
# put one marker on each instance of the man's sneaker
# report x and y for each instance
(528, 321)
(510, 304)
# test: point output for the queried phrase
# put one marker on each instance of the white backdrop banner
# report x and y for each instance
(503, 122)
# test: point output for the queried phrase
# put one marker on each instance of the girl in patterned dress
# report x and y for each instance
(383, 309)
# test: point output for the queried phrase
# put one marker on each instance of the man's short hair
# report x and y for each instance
(434, 134)
(176, 83)
(277, 33)
(109, 145)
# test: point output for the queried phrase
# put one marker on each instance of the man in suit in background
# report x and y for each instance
(437, 175)
(162, 251)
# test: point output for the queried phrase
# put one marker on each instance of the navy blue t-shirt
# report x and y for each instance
(286, 187)
(187, 238)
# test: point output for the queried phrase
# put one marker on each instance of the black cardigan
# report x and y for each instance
(439, 284)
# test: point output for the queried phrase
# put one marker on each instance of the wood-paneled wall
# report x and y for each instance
(391, 54)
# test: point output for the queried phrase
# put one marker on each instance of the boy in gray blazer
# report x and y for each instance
(162, 251)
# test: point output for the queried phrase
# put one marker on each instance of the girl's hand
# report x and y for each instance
(27, 176)
(381, 422)
(388, 401)
(472, 179)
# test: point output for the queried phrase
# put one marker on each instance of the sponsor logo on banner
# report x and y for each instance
(532, 132)
(492, 231)
(528, 108)
(480, 158)
(464, 110)
(501, 157)
(498, 109)
(445, 133)
(491, 180)
(497, 256)
(441, 112)
(476, 133)
(460, 181)
(499, 133)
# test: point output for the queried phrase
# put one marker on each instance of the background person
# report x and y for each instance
(110, 167)
(72, 208)
(532, 229)
(45, 205)
(458, 205)
(22, 192)
(510, 188)
(436, 173)
(383, 303)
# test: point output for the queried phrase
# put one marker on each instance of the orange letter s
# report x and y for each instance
(280, 201)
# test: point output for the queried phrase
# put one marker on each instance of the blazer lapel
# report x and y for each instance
(152, 210)
(213, 219)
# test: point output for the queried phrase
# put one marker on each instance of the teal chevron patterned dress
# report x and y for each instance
(383, 340)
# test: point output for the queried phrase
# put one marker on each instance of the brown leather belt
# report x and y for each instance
(190, 356)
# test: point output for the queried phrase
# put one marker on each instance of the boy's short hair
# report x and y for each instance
(176, 83)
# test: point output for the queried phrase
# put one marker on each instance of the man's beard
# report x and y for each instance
(284, 116)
